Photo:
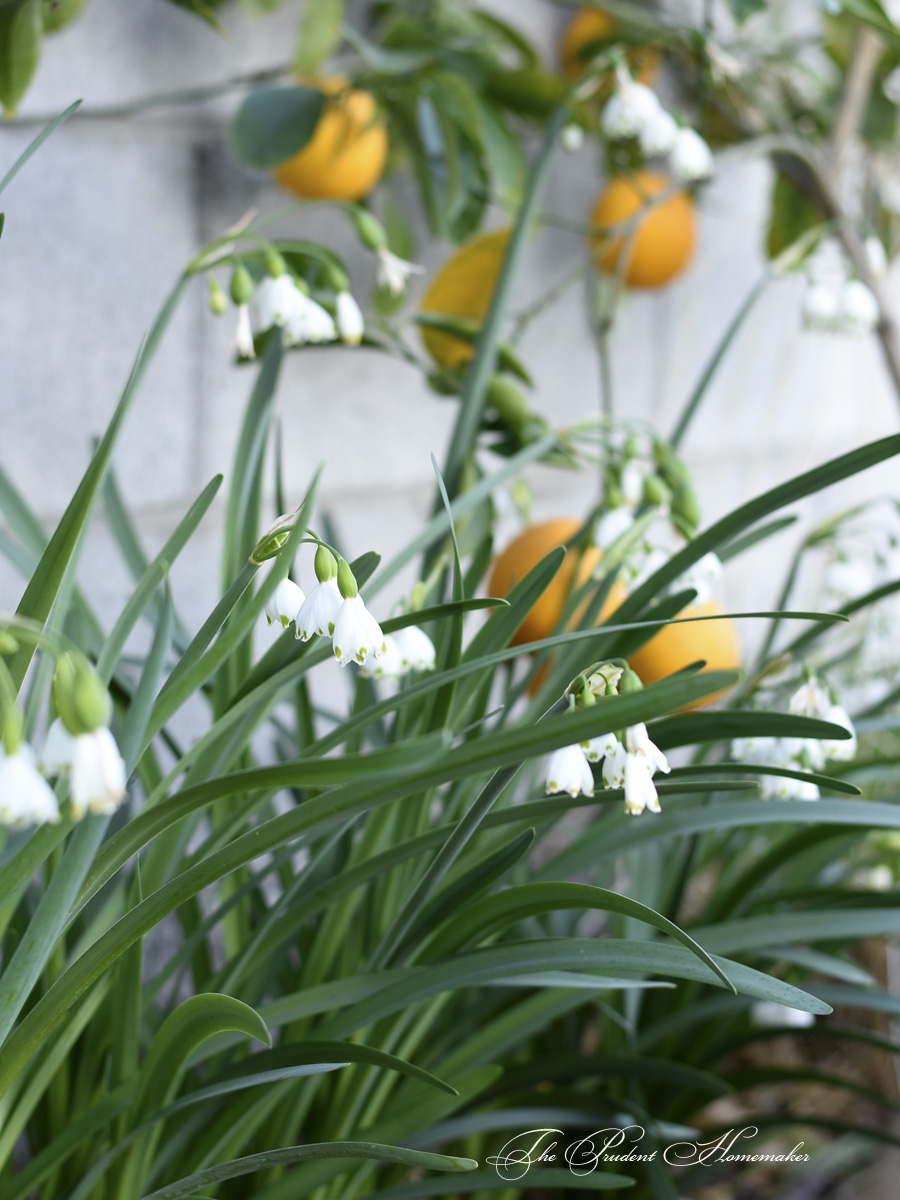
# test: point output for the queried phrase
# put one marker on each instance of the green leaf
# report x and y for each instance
(489, 1181)
(528, 900)
(295, 1154)
(37, 143)
(275, 123)
(686, 729)
(320, 34)
(828, 925)
(21, 30)
(792, 215)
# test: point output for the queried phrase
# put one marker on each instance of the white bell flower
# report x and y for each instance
(56, 756)
(858, 311)
(691, 158)
(768, 1014)
(640, 790)
(284, 603)
(568, 771)
(26, 798)
(630, 111)
(98, 774)
(701, 577)
(309, 322)
(599, 747)
(572, 138)
(613, 769)
(394, 272)
(387, 665)
(319, 610)
(763, 751)
(356, 633)
(820, 307)
(638, 741)
(876, 256)
(612, 525)
(811, 699)
(783, 787)
(659, 134)
(827, 265)
(416, 649)
(243, 334)
(841, 750)
(274, 301)
(351, 324)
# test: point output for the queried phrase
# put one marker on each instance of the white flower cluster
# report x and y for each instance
(280, 302)
(634, 112)
(629, 764)
(799, 754)
(335, 609)
(835, 303)
(91, 761)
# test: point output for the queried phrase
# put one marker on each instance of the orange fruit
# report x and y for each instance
(661, 245)
(345, 157)
(594, 25)
(463, 287)
(525, 552)
(677, 646)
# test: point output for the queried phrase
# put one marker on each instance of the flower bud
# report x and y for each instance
(218, 302)
(346, 580)
(325, 564)
(656, 494)
(241, 285)
(275, 264)
(8, 644)
(629, 682)
(508, 402)
(13, 727)
(686, 506)
(369, 229)
(80, 696)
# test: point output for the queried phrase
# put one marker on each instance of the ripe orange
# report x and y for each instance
(594, 25)
(463, 287)
(345, 157)
(663, 242)
(677, 646)
(525, 552)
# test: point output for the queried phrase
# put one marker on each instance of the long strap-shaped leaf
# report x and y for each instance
(295, 1154)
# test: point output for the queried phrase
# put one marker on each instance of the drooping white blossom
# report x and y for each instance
(858, 311)
(768, 1014)
(659, 134)
(568, 771)
(416, 649)
(387, 665)
(394, 272)
(820, 307)
(640, 790)
(701, 577)
(876, 256)
(639, 742)
(356, 633)
(97, 783)
(612, 525)
(309, 323)
(629, 111)
(691, 158)
(25, 796)
(280, 302)
(56, 755)
(599, 747)
(319, 610)
(351, 324)
(284, 603)
(243, 334)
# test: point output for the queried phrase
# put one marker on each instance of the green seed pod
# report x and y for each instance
(275, 264)
(685, 506)
(346, 580)
(629, 682)
(241, 285)
(325, 564)
(445, 383)
(508, 402)
(8, 644)
(218, 302)
(13, 727)
(656, 494)
(370, 230)
(91, 699)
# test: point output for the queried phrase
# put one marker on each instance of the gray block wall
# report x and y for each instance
(101, 221)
